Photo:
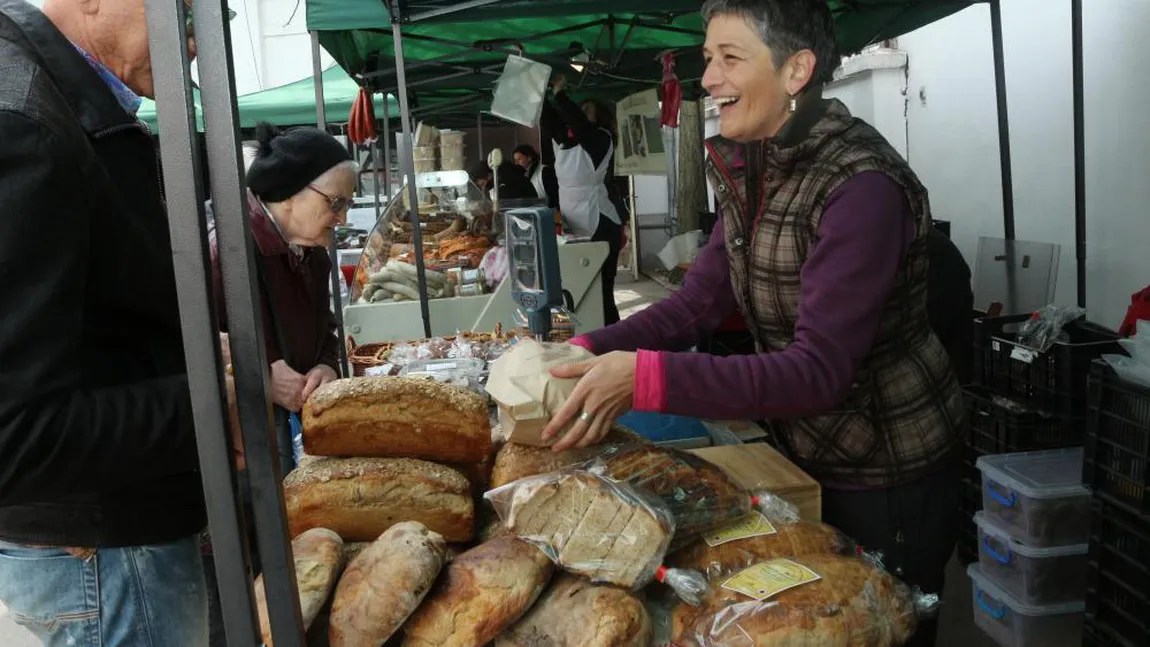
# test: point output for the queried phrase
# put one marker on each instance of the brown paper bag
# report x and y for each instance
(527, 395)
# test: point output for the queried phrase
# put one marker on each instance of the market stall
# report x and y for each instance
(282, 603)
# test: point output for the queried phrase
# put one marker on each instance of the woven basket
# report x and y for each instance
(367, 356)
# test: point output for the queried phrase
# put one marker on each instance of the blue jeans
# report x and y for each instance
(143, 596)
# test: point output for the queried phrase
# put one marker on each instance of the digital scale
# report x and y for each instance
(533, 266)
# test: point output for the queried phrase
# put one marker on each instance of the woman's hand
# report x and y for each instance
(316, 378)
(558, 84)
(605, 391)
(287, 386)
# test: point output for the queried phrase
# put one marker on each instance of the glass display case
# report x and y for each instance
(456, 223)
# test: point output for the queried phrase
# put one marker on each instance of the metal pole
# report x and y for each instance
(479, 133)
(187, 223)
(333, 248)
(1079, 149)
(245, 320)
(375, 156)
(1003, 121)
(386, 137)
(408, 163)
(634, 227)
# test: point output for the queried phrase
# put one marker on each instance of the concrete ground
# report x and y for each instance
(956, 628)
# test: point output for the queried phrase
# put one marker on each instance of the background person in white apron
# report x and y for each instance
(542, 175)
(583, 137)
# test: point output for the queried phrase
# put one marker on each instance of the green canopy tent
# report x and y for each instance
(289, 105)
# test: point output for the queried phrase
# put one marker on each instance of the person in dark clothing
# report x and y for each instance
(950, 303)
(101, 502)
(583, 138)
(513, 181)
(542, 175)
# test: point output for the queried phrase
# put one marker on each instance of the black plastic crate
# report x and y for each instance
(1118, 595)
(999, 425)
(1054, 381)
(1118, 440)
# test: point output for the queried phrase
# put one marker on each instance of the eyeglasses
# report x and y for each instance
(338, 204)
(189, 23)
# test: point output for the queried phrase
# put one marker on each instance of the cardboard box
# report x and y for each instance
(527, 395)
(758, 465)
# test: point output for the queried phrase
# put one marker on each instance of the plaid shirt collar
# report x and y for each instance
(127, 99)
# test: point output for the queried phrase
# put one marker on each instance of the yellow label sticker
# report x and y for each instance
(753, 524)
(768, 579)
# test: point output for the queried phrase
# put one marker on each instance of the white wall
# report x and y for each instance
(953, 141)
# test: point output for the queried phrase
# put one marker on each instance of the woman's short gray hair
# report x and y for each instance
(787, 27)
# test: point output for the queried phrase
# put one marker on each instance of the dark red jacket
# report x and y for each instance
(295, 293)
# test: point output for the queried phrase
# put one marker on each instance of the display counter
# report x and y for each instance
(580, 265)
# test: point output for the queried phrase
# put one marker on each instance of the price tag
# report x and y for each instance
(1023, 354)
(753, 524)
(768, 579)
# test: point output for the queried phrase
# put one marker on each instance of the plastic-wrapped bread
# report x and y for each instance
(384, 585)
(593, 526)
(573, 612)
(360, 498)
(482, 592)
(397, 417)
(824, 600)
(755, 539)
(515, 461)
(699, 494)
(319, 557)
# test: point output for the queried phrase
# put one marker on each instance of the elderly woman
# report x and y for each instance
(300, 184)
(822, 247)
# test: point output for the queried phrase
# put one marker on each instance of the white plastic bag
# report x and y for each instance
(520, 91)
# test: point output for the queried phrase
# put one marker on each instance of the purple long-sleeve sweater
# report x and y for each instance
(865, 230)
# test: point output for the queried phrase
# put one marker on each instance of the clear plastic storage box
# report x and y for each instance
(1014, 624)
(1033, 575)
(1037, 496)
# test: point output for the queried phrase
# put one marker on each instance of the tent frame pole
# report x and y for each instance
(199, 322)
(1003, 120)
(1079, 148)
(444, 11)
(386, 137)
(333, 250)
(408, 164)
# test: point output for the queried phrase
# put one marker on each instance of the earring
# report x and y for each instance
(794, 103)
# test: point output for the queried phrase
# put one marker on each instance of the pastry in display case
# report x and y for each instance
(455, 220)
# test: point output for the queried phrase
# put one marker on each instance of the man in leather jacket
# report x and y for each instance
(100, 496)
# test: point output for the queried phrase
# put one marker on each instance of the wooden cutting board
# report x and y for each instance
(760, 466)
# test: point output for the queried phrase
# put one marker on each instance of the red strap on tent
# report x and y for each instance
(1139, 309)
(672, 92)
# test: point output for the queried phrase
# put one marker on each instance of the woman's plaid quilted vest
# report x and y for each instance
(904, 412)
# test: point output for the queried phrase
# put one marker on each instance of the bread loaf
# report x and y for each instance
(699, 494)
(384, 585)
(393, 417)
(515, 461)
(318, 557)
(589, 526)
(481, 593)
(360, 498)
(790, 539)
(573, 612)
(853, 605)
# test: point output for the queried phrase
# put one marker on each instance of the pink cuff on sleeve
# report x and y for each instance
(583, 341)
(650, 382)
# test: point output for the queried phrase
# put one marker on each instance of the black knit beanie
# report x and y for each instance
(288, 161)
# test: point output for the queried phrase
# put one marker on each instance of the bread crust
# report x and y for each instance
(573, 612)
(393, 417)
(318, 556)
(360, 498)
(791, 539)
(853, 605)
(515, 461)
(384, 585)
(481, 593)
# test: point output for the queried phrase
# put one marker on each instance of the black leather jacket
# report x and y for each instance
(96, 439)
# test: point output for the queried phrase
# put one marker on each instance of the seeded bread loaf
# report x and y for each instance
(360, 498)
(573, 612)
(318, 556)
(515, 461)
(481, 593)
(394, 417)
(384, 585)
